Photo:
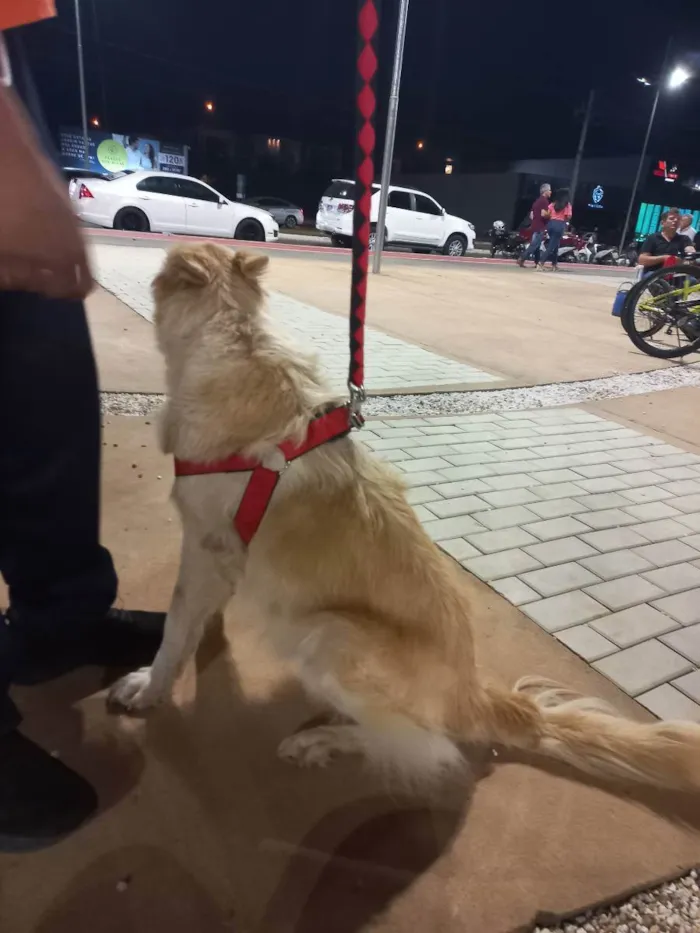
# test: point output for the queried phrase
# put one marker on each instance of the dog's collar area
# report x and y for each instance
(328, 426)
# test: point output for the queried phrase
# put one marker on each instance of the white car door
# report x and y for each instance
(161, 202)
(208, 213)
(429, 220)
(400, 220)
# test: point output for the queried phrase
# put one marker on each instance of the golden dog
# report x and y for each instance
(340, 578)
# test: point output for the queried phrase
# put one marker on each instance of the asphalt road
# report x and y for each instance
(307, 246)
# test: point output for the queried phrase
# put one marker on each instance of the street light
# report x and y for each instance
(676, 79)
(209, 106)
(95, 121)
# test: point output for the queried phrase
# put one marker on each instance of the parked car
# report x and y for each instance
(285, 213)
(168, 203)
(413, 219)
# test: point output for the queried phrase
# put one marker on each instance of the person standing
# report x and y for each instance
(559, 216)
(61, 580)
(539, 214)
(686, 228)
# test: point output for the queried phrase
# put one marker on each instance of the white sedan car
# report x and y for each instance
(167, 203)
(413, 220)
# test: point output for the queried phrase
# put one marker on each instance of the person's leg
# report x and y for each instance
(533, 248)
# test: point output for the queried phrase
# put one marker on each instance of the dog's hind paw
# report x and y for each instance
(316, 747)
(134, 692)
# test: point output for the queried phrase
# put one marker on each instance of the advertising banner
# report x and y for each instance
(114, 152)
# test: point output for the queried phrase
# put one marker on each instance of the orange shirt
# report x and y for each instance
(563, 214)
(21, 12)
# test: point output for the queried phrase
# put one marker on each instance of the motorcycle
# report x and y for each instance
(569, 247)
(599, 253)
(509, 244)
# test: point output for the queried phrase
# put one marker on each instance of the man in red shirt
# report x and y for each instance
(539, 214)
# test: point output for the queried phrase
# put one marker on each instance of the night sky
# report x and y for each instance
(487, 81)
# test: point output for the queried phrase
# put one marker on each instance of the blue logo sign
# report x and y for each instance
(597, 197)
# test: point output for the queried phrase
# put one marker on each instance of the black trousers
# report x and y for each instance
(60, 579)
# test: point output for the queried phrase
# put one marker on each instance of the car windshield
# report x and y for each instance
(343, 189)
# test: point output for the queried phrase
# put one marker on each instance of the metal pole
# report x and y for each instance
(633, 196)
(392, 114)
(581, 144)
(662, 78)
(81, 74)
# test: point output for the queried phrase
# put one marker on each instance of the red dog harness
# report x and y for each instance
(262, 483)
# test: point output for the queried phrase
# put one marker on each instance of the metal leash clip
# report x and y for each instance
(357, 397)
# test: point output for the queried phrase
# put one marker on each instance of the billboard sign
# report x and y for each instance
(114, 152)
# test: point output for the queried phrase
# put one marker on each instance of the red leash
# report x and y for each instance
(367, 27)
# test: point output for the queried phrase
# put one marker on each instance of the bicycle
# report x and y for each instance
(661, 314)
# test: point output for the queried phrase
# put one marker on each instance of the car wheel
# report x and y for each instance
(341, 242)
(131, 218)
(291, 221)
(455, 245)
(249, 230)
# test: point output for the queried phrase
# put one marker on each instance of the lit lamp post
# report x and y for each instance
(676, 79)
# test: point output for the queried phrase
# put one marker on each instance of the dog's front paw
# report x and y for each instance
(134, 692)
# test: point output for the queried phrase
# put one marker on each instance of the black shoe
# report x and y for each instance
(521, 263)
(41, 800)
(124, 638)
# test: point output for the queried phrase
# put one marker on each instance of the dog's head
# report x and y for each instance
(200, 281)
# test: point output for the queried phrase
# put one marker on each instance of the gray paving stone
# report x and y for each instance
(392, 456)
(670, 704)
(676, 473)
(443, 528)
(559, 490)
(603, 500)
(635, 464)
(503, 564)
(690, 685)
(507, 517)
(457, 459)
(602, 484)
(557, 508)
(616, 564)
(506, 497)
(398, 430)
(693, 541)
(510, 481)
(514, 467)
(613, 539)
(685, 487)
(634, 625)
(641, 668)
(686, 503)
(514, 590)
(586, 642)
(662, 530)
(624, 592)
(422, 514)
(551, 581)
(651, 511)
(459, 548)
(422, 464)
(666, 552)
(685, 641)
(465, 487)
(460, 505)
(554, 476)
(424, 478)
(560, 551)
(596, 470)
(421, 494)
(607, 518)
(643, 478)
(646, 494)
(488, 542)
(691, 521)
(683, 607)
(675, 578)
(560, 612)
(549, 529)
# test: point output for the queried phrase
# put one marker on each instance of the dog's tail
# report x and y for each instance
(541, 717)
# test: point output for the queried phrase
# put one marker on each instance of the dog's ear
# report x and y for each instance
(249, 265)
(188, 266)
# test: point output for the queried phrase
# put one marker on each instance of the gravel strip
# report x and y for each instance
(672, 908)
(473, 401)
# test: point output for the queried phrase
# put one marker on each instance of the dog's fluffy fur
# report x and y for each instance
(340, 577)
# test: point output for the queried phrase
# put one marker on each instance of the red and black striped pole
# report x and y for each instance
(368, 27)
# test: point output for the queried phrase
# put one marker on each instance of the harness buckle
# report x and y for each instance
(357, 397)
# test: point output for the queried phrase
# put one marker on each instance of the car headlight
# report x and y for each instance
(471, 227)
